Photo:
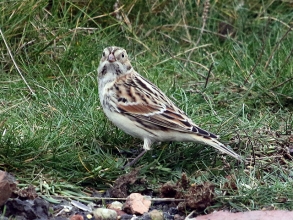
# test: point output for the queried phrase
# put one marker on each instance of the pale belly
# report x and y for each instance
(128, 126)
(135, 129)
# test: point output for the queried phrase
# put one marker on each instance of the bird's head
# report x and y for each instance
(114, 62)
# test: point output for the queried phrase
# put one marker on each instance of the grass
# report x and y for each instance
(59, 137)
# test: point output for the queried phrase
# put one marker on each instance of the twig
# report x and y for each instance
(208, 76)
(18, 70)
(119, 199)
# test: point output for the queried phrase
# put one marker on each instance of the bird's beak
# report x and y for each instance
(111, 58)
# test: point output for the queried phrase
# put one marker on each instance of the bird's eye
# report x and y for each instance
(103, 54)
(123, 55)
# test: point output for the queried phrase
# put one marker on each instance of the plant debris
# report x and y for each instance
(119, 189)
(196, 196)
(26, 193)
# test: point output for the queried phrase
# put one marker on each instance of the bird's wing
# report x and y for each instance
(141, 100)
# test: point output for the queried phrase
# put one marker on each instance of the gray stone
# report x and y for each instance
(105, 214)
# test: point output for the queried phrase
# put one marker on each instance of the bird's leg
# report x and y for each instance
(146, 146)
(135, 159)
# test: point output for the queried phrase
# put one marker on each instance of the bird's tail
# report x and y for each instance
(218, 145)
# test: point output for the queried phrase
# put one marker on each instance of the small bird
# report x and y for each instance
(142, 110)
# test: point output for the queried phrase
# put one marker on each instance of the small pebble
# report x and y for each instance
(156, 215)
(105, 214)
(137, 204)
(115, 205)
